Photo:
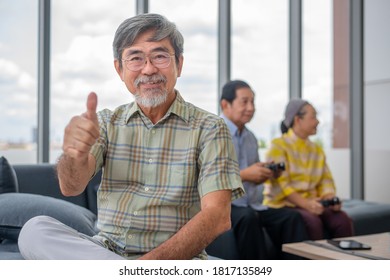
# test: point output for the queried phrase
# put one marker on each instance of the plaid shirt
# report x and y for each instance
(154, 175)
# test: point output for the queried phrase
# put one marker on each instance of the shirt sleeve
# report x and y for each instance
(281, 186)
(99, 149)
(218, 163)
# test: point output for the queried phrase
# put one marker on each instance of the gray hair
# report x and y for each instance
(293, 108)
(131, 28)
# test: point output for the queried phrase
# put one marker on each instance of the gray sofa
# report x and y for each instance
(37, 192)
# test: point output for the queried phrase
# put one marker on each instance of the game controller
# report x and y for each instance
(276, 166)
(330, 202)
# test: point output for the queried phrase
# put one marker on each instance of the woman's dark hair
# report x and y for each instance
(300, 114)
(283, 127)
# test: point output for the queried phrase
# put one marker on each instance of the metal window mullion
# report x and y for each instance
(142, 7)
(224, 45)
(43, 139)
(356, 98)
(295, 49)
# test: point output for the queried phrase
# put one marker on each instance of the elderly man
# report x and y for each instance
(249, 215)
(169, 168)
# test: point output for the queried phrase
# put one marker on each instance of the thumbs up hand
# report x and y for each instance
(82, 131)
(91, 108)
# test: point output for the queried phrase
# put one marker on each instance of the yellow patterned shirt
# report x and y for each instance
(306, 171)
(154, 175)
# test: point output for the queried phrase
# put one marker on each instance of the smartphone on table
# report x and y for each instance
(349, 244)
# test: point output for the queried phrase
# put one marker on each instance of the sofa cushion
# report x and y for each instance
(17, 208)
(8, 180)
(9, 250)
(368, 217)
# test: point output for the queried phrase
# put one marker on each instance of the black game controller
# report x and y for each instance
(330, 202)
(276, 166)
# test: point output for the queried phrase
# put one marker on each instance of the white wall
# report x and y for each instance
(377, 174)
(376, 177)
(377, 100)
(339, 164)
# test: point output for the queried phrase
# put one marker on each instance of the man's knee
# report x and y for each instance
(248, 215)
(244, 218)
(30, 235)
(296, 217)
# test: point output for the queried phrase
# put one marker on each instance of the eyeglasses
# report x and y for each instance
(137, 61)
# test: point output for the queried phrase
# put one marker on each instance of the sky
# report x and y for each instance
(82, 61)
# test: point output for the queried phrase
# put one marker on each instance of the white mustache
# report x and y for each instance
(150, 79)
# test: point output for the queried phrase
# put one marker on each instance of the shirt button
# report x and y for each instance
(135, 213)
(150, 160)
(129, 236)
(147, 189)
(153, 131)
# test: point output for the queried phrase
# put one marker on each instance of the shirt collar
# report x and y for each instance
(232, 127)
(178, 107)
(295, 138)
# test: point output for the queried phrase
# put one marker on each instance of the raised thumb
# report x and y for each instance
(92, 101)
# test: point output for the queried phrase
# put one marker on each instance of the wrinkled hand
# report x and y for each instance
(257, 173)
(336, 207)
(82, 131)
(275, 174)
(314, 206)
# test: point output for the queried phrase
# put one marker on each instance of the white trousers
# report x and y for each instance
(45, 238)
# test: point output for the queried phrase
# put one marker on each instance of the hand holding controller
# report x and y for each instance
(276, 166)
(330, 202)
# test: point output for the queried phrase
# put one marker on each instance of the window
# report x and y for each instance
(197, 21)
(18, 80)
(82, 60)
(260, 57)
(317, 84)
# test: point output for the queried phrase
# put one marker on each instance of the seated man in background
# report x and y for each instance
(307, 185)
(169, 168)
(248, 215)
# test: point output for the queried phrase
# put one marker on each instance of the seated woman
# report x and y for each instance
(306, 185)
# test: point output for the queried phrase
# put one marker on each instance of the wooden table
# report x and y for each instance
(321, 250)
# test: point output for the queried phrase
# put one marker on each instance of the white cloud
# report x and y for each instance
(86, 56)
(8, 69)
(85, 66)
(14, 80)
(18, 102)
(25, 81)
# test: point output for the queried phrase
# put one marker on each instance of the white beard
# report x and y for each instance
(151, 98)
